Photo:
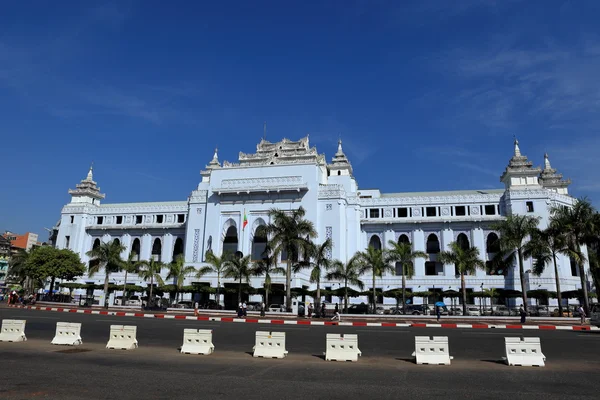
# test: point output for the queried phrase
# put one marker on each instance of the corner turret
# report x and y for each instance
(552, 180)
(520, 172)
(87, 191)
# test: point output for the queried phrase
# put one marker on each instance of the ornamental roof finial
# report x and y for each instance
(517, 150)
(339, 150)
(90, 174)
(216, 156)
(547, 162)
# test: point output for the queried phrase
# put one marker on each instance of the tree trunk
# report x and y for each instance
(557, 278)
(150, 298)
(106, 289)
(464, 292)
(318, 302)
(240, 291)
(403, 290)
(288, 283)
(218, 291)
(51, 286)
(586, 302)
(266, 298)
(346, 296)
(124, 287)
(374, 293)
(523, 287)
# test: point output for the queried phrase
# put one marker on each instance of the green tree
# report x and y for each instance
(349, 273)
(178, 271)
(466, 261)
(130, 266)
(374, 260)
(150, 271)
(238, 268)
(515, 231)
(108, 256)
(216, 265)
(544, 247)
(267, 267)
(17, 269)
(49, 262)
(403, 254)
(289, 232)
(579, 223)
(317, 260)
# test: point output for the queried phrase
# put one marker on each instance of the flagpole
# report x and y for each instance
(243, 230)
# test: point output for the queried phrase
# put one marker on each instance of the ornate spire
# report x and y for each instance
(550, 179)
(340, 161)
(87, 188)
(519, 166)
(339, 150)
(214, 163)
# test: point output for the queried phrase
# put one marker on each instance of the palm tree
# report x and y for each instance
(349, 273)
(466, 261)
(317, 259)
(492, 293)
(108, 256)
(544, 246)
(403, 254)
(239, 269)
(514, 231)
(216, 265)
(150, 271)
(178, 271)
(267, 267)
(374, 260)
(579, 223)
(130, 266)
(289, 232)
(17, 269)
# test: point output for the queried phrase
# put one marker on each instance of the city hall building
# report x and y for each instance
(289, 174)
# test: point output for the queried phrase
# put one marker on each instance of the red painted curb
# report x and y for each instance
(548, 327)
(359, 324)
(449, 325)
(514, 326)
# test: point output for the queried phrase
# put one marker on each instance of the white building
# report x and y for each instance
(289, 174)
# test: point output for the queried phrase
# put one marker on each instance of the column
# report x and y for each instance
(447, 238)
(167, 248)
(126, 241)
(478, 241)
(146, 247)
(418, 243)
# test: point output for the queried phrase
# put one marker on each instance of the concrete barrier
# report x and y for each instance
(197, 341)
(525, 352)
(68, 333)
(435, 351)
(270, 345)
(342, 347)
(13, 330)
(122, 337)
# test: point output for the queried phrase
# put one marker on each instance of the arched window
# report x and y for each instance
(230, 242)
(96, 244)
(177, 247)
(259, 243)
(433, 244)
(117, 241)
(375, 242)
(463, 241)
(94, 263)
(403, 239)
(492, 243)
(136, 248)
(156, 249)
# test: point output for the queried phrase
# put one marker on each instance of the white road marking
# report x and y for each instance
(34, 317)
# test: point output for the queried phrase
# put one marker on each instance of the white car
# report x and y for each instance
(133, 301)
(276, 308)
(473, 312)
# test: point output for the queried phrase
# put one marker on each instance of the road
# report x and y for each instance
(36, 369)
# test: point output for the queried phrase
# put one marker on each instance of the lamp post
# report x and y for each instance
(480, 300)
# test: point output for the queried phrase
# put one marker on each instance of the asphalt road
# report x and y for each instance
(36, 369)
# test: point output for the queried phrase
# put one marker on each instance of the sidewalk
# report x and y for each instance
(405, 322)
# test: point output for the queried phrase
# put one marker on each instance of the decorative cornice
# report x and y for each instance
(277, 183)
(437, 200)
(331, 192)
(198, 196)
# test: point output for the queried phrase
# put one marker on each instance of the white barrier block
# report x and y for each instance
(68, 333)
(526, 352)
(122, 337)
(432, 351)
(13, 330)
(270, 345)
(342, 347)
(197, 341)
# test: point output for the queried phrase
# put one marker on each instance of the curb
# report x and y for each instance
(315, 323)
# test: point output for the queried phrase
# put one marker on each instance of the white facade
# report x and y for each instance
(287, 175)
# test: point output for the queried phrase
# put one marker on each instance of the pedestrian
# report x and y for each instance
(581, 314)
(310, 310)
(438, 313)
(323, 310)
(240, 311)
(523, 314)
(244, 309)
(196, 309)
(263, 306)
(336, 313)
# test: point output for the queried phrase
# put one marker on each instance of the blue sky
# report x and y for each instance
(426, 95)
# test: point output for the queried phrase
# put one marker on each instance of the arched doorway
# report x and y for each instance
(156, 250)
(403, 239)
(259, 243)
(177, 248)
(136, 248)
(375, 242)
(230, 242)
(433, 244)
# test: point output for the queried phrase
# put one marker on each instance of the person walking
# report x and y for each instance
(438, 313)
(323, 310)
(581, 314)
(196, 308)
(244, 309)
(336, 313)
(310, 310)
(240, 311)
(523, 314)
(263, 306)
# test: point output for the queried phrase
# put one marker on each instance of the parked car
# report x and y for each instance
(184, 304)
(253, 306)
(455, 311)
(276, 308)
(133, 301)
(540, 311)
(473, 311)
(595, 314)
(417, 309)
(504, 311)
